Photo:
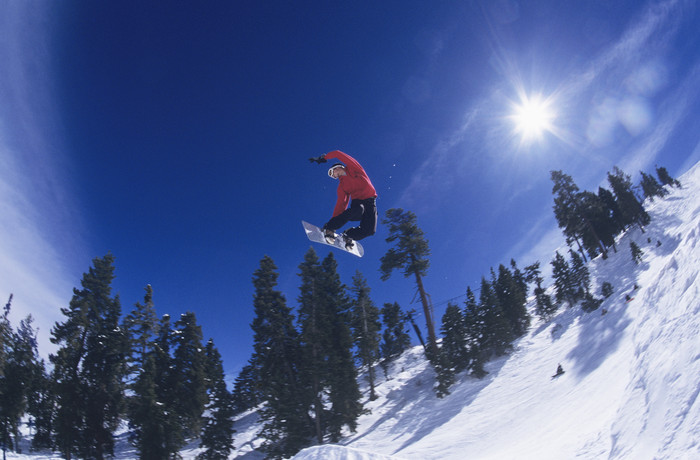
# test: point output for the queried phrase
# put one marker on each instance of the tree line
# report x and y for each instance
(157, 375)
(303, 375)
(486, 327)
(591, 221)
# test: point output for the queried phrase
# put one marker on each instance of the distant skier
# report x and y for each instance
(560, 371)
(354, 185)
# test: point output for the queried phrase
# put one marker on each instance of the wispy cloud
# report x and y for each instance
(433, 175)
(39, 230)
(671, 113)
(657, 23)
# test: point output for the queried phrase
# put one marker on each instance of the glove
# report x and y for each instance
(319, 160)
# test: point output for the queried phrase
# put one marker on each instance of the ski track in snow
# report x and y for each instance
(630, 390)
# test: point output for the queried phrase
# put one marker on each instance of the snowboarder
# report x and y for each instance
(355, 185)
(560, 371)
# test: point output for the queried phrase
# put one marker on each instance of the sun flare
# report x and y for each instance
(532, 117)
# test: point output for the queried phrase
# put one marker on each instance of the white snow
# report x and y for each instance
(630, 388)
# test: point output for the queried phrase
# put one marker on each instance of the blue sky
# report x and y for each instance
(176, 136)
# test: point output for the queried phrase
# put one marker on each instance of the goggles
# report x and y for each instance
(333, 168)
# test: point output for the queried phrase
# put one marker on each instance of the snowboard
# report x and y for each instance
(315, 234)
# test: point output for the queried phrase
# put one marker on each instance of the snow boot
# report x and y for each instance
(329, 235)
(349, 243)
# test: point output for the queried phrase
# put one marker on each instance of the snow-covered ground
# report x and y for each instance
(630, 388)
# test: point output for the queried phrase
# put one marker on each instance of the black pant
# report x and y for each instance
(364, 211)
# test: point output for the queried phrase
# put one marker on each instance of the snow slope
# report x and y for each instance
(632, 378)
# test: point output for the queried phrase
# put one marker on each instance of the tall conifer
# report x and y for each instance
(631, 210)
(395, 338)
(189, 364)
(512, 298)
(315, 336)
(651, 187)
(344, 391)
(89, 366)
(498, 333)
(666, 178)
(410, 254)
(544, 307)
(287, 425)
(18, 380)
(475, 331)
(365, 329)
(218, 429)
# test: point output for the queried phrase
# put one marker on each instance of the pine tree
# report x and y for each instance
(631, 210)
(475, 332)
(315, 325)
(141, 325)
(395, 338)
(41, 408)
(6, 410)
(596, 213)
(454, 351)
(148, 418)
(612, 209)
(520, 280)
(246, 389)
(607, 289)
(5, 334)
(636, 252)
(651, 187)
(147, 413)
(218, 430)
(444, 374)
(89, 366)
(344, 391)
(513, 298)
(189, 364)
(498, 334)
(166, 432)
(544, 307)
(666, 178)
(580, 275)
(329, 370)
(590, 302)
(410, 254)
(17, 380)
(276, 356)
(564, 283)
(612, 219)
(365, 329)
(572, 212)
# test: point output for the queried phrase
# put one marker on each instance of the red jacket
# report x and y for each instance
(354, 185)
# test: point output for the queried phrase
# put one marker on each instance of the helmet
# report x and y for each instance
(337, 165)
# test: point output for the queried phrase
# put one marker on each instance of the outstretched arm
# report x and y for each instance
(351, 163)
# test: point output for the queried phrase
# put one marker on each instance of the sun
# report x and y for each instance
(532, 117)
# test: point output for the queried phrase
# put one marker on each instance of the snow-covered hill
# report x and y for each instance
(632, 375)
